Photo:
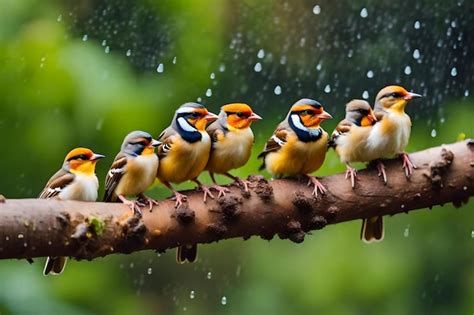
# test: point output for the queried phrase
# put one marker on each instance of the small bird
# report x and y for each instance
(184, 153)
(232, 140)
(76, 180)
(298, 146)
(133, 171)
(349, 139)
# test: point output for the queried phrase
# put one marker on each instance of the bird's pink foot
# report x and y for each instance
(408, 165)
(207, 192)
(220, 190)
(144, 201)
(180, 199)
(243, 182)
(352, 173)
(382, 173)
(317, 185)
(132, 205)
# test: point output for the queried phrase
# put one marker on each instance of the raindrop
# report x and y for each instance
(160, 68)
(199, 99)
(209, 275)
(406, 233)
(364, 13)
(442, 120)
(277, 90)
(464, 188)
(466, 93)
(149, 271)
(258, 67)
(212, 76)
(60, 18)
(21, 236)
(209, 93)
(191, 294)
(174, 60)
(454, 72)
(128, 53)
(370, 74)
(407, 70)
(433, 133)
(417, 25)
(107, 49)
(317, 9)
(224, 300)
(85, 38)
(222, 68)
(472, 234)
(365, 95)
(7, 238)
(261, 54)
(131, 265)
(327, 88)
(416, 54)
(104, 42)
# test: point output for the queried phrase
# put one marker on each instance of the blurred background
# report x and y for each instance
(84, 73)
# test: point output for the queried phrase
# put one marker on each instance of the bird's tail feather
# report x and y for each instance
(54, 265)
(372, 229)
(186, 253)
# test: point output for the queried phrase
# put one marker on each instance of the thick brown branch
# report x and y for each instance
(33, 228)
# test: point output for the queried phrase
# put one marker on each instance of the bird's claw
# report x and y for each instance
(134, 205)
(207, 192)
(180, 199)
(144, 200)
(243, 182)
(352, 172)
(317, 186)
(408, 165)
(221, 190)
(381, 170)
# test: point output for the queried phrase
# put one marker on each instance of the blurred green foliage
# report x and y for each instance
(84, 74)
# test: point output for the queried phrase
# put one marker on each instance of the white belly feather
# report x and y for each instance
(84, 188)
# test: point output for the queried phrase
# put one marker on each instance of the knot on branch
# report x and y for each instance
(317, 222)
(294, 232)
(303, 203)
(262, 187)
(216, 230)
(64, 219)
(185, 215)
(134, 231)
(439, 168)
(229, 207)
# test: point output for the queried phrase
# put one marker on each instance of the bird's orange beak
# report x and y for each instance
(210, 117)
(411, 96)
(254, 117)
(324, 116)
(96, 157)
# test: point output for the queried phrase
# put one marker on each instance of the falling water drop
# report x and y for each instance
(466, 93)
(433, 133)
(327, 88)
(174, 60)
(224, 300)
(149, 271)
(191, 294)
(417, 25)
(277, 90)
(212, 76)
(317, 9)
(258, 67)
(454, 72)
(407, 70)
(261, 53)
(107, 49)
(416, 54)
(104, 42)
(370, 74)
(85, 38)
(160, 68)
(209, 275)
(128, 53)
(60, 18)
(365, 95)
(406, 233)
(364, 13)
(319, 66)
(209, 93)
(472, 234)
(222, 68)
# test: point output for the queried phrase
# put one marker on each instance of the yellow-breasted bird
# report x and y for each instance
(298, 146)
(232, 140)
(76, 180)
(184, 154)
(133, 171)
(349, 139)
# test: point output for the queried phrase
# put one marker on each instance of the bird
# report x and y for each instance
(232, 140)
(349, 139)
(133, 171)
(76, 180)
(184, 153)
(299, 144)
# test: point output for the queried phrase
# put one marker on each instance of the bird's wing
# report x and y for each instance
(56, 184)
(277, 140)
(166, 140)
(216, 132)
(114, 175)
(343, 127)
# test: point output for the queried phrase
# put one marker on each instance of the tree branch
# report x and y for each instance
(34, 228)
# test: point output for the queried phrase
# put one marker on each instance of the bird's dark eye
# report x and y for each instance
(195, 114)
(317, 106)
(240, 114)
(79, 157)
(395, 95)
(307, 112)
(363, 112)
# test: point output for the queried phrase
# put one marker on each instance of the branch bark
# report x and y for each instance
(33, 228)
